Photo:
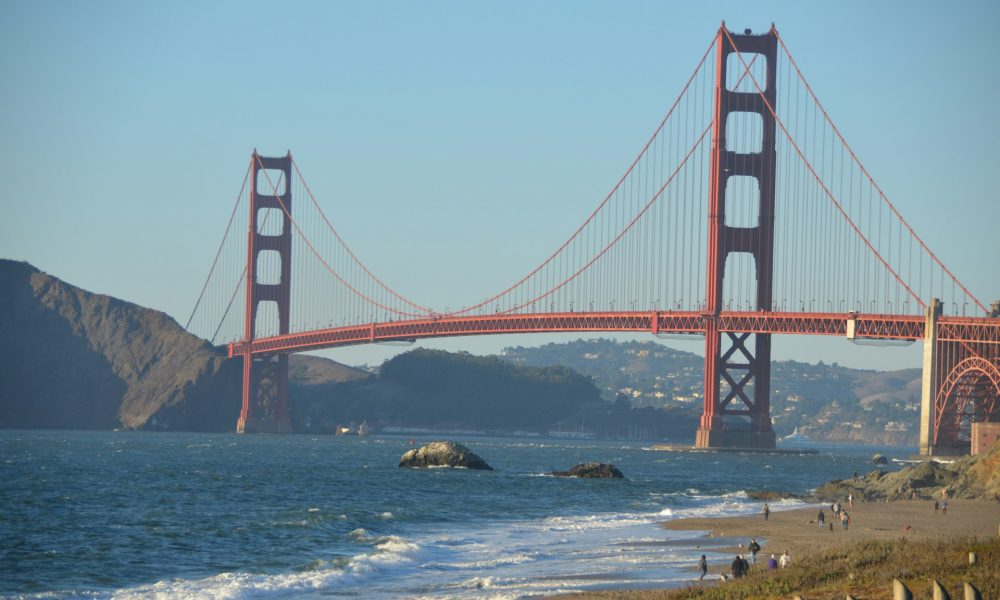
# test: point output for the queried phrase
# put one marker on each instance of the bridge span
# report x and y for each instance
(745, 215)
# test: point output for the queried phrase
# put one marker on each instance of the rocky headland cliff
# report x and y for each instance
(70, 358)
(74, 359)
(971, 477)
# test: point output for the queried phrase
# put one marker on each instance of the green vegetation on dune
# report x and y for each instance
(866, 570)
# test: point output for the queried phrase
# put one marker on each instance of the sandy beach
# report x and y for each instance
(797, 531)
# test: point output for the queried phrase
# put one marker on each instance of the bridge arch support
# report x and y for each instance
(970, 392)
(961, 382)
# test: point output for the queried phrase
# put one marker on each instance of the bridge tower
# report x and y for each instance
(740, 371)
(265, 380)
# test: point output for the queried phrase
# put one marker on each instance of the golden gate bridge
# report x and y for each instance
(745, 215)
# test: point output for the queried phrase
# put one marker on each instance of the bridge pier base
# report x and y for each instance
(724, 438)
(252, 425)
(265, 396)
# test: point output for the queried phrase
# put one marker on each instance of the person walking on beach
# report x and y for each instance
(772, 563)
(850, 500)
(944, 508)
(821, 519)
(767, 511)
(844, 520)
(754, 549)
(703, 567)
(785, 560)
(737, 567)
(936, 506)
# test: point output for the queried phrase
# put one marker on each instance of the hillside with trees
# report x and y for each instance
(827, 402)
(434, 389)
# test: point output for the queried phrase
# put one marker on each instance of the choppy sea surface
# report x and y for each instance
(139, 515)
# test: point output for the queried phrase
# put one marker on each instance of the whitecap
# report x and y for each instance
(510, 559)
(391, 554)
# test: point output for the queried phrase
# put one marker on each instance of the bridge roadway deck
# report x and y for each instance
(866, 326)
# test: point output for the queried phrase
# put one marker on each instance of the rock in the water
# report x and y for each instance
(594, 470)
(443, 454)
(878, 459)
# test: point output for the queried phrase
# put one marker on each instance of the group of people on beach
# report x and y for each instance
(740, 567)
(943, 505)
(838, 512)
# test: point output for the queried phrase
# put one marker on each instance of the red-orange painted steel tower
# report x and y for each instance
(257, 416)
(744, 369)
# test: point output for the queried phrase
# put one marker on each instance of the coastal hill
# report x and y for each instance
(826, 402)
(433, 389)
(74, 359)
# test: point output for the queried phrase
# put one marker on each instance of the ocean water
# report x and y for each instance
(142, 515)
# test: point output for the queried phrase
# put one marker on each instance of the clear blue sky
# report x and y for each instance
(450, 141)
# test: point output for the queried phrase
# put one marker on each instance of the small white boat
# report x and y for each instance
(796, 439)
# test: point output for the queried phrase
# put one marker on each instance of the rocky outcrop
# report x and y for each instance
(594, 470)
(878, 459)
(968, 477)
(443, 454)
